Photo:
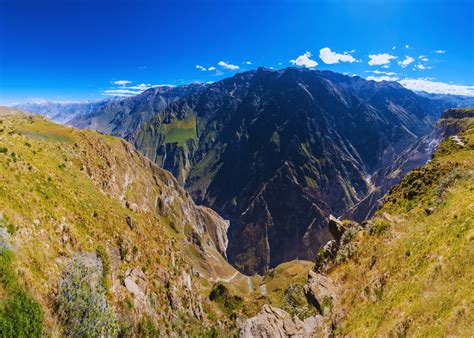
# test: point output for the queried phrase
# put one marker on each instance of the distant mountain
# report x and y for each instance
(123, 117)
(454, 101)
(62, 111)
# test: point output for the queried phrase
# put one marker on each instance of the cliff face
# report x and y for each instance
(255, 146)
(395, 272)
(449, 124)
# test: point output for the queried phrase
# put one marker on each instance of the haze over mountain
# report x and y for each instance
(60, 111)
(256, 145)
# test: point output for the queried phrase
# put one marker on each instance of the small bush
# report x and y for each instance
(11, 228)
(104, 257)
(20, 314)
(379, 227)
(226, 300)
(82, 301)
(146, 328)
(296, 303)
(3, 150)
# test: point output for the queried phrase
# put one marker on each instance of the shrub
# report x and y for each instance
(104, 257)
(296, 303)
(82, 301)
(146, 328)
(379, 227)
(3, 150)
(20, 314)
(226, 300)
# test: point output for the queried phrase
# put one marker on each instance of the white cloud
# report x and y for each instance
(141, 86)
(440, 51)
(421, 66)
(228, 65)
(304, 60)
(380, 59)
(247, 62)
(437, 87)
(329, 57)
(382, 78)
(124, 89)
(406, 62)
(394, 47)
(380, 72)
(423, 58)
(279, 63)
(408, 47)
(121, 82)
(204, 69)
(120, 92)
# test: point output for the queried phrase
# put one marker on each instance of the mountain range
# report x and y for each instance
(277, 152)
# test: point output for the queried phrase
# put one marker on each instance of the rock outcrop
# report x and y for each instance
(274, 322)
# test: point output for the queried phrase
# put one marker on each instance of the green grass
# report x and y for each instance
(65, 192)
(179, 131)
(20, 314)
(412, 275)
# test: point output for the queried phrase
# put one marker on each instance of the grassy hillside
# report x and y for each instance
(85, 214)
(413, 269)
(180, 130)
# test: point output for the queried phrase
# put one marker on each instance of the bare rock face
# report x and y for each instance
(322, 291)
(272, 322)
(275, 322)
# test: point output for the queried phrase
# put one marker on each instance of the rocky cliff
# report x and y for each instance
(254, 146)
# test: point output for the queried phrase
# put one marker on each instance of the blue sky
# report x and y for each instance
(75, 50)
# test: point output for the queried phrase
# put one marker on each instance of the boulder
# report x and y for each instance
(275, 322)
(272, 322)
(321, 291)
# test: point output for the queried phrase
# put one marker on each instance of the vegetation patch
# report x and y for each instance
(82, 301)
(228, 302)
(179, 131)
(20, 314)
(296, 303)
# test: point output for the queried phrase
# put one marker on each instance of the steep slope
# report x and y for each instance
(407, 271)
(277, 151)
(86, 214)
(413, 275)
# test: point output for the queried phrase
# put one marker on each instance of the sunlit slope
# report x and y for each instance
(66, 193)
(414, 275)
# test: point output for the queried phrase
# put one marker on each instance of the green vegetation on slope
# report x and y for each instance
(413, 276)
(180, 130)
(20, 313)
(66, 192)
